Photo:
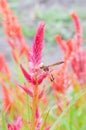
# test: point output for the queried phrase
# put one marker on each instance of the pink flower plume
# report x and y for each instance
(78, 29)
(76, 22)
(36, 55)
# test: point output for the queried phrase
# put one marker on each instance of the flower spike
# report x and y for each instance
(36, 55)
(76, 22)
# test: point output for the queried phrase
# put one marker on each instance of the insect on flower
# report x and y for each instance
(47, 68)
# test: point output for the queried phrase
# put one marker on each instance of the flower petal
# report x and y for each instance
(42, 77)
(27, 75)
(26, 90)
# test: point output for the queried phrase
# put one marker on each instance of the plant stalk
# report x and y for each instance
(34, 107)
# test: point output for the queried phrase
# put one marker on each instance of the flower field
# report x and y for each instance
(41, 96)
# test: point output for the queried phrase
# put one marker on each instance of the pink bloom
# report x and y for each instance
(36, 74)
(73, 44)
(62, 43)
(76, 22)
(72, 53)
(78, 34)
(16, 125)
(38, 43)
(13, 31)
(60, 81)
(7, 101)
(78, 64)
(66, 46)
(47, 128)
(4, 69)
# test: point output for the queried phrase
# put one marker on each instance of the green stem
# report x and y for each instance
(28, 107)
(34, 107)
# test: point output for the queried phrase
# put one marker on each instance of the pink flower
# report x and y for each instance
(78, 34)
(72, 52)
(38, 43)
(76, 22)
(7, 101)
(16, 125)
(13, 32)
(36, 74)
(71, 45)
(4, 69)
(66, 46)
(78, 64)
(60, 82)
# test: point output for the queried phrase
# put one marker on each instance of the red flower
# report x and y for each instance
(7, 102)
(66, 46)
(72, 53)
(78, 34)
(73, 44)
(13, 32)
(36, 74)
(76, 22)
(78, 64)
(60, 81)
(15, 125)
(4, 69)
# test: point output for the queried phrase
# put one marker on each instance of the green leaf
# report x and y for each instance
(75, 98)
(46, 116)
(4, 127)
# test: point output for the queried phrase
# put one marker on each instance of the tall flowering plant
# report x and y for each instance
(73, 53)
(13, 32)
(73, 70)
(35, 75)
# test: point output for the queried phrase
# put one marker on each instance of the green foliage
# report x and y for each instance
(75, 116)
(4, 127)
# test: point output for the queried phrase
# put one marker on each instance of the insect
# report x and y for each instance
(47, 68)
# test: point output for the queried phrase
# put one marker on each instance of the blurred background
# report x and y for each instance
(56, 14)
